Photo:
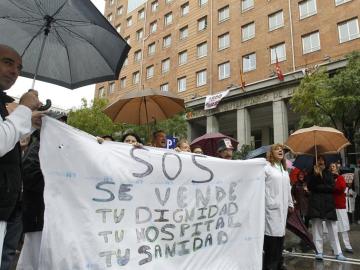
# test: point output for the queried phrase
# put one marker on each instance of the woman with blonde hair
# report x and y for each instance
(278, 202)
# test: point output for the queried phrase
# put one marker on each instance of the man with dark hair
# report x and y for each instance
(12, 128)
(159, 139)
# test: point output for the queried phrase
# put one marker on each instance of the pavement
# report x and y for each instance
(299, 258)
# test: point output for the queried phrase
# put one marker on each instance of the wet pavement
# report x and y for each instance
(299, 258)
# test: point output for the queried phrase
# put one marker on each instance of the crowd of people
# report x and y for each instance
(321, 195)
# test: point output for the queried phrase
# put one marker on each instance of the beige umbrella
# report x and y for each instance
(144, 106)
(316, 141)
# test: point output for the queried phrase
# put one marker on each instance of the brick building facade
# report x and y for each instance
(196, 48)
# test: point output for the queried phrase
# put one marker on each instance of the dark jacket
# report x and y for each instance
(33, 189)
(10, 175)
(301, 197)
(321, 200)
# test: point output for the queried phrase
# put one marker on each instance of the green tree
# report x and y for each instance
(174, 126)
(242, 153)
(92, 120)
(331, 99)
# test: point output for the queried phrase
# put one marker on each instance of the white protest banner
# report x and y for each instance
(211, 102)
(114, 206)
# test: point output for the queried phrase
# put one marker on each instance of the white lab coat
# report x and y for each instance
(16, 125)
(277, 200)
(350, 201)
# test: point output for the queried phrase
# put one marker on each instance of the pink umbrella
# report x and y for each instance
(289, 164)
(209, 142)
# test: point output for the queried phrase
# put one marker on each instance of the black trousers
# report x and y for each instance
(357, 208)
(272, 257)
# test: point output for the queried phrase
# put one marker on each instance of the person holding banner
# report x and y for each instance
(131, 138)
(183, 146)
(278, 202)
(159, 139)
(13, 127)
(225, 149)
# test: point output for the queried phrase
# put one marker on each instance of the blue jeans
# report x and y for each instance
(11, 241)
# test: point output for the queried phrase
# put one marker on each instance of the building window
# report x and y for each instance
(223, 14)
(139, 34)
(111, 2)
(202, 50)
(249, 62)
(168, 1)
(202, 2)
(123, 82)
(149, 72)
(201, 78)
(126, 62)
(110, 17)
(151, 48)
(340, 2)
(311, 42)
(141, 14)
(153, 27)
(224, 41)
(120, 10)
(165, 65)
(137, 56)
(184, 32)
(181, 84)
(202, 23)
(183, 56)
(185, 8)
(248, 31)
(136, 77)
(224, 70)
(127, 39)
(278, 51)
(307, 8)
(276, 20)
(154, 6)
(247, 4)
(101, 92)
(129, 21)
(111, 87)
(167, 41)
(348, 30)
(118, 28)
(168, 18)
(164, 87)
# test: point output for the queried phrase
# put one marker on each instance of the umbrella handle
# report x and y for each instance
(46, 106)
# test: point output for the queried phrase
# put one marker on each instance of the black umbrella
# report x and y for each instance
(306, 162)
(295, 224)
(258, 152)
(68, 42)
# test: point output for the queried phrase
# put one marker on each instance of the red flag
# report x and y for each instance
(242, 82)
(278, 71)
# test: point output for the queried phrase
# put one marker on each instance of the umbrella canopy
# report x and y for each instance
(306, 162)
(316, 141)
(258, 152)
(144, 106)
(67, 43)
(295, 224)
(209, 142)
